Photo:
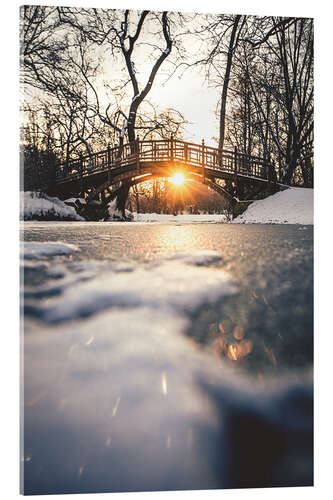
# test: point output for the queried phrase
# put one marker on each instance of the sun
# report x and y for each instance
(177, 179)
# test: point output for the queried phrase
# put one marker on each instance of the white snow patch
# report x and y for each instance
(164, 285)
(181, 218)
(291, 206)
(73, 200)
(39, 205)
(115, 214)
(40, 250)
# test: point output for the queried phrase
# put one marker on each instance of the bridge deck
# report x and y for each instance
(166, 152)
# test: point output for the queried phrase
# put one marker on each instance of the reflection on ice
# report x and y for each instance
(115, 408)
(90, 340)
(164, 384)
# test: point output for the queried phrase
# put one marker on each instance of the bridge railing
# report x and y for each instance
(171, 150)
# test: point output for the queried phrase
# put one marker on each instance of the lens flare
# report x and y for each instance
(177, 179)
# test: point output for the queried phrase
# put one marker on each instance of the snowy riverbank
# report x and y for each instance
(291, 206)
(37, 206)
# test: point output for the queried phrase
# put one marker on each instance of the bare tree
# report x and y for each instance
(122, 31)
(291, 54)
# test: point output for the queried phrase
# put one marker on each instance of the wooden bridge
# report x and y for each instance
(101, 175)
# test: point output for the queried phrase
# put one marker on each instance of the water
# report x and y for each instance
(174, 371)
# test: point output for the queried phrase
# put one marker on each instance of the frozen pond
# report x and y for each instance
(165, 356)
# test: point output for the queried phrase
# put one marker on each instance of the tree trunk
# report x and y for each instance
(226, 82)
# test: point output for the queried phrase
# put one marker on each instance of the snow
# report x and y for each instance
(181, 218)
(74, 200)
(291, 206)
(123, 130)
(115, 214)
(38, 250)
(39, 205)
(167, 286)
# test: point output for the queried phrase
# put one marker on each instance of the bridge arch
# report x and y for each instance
(104, 172)
(137, 176)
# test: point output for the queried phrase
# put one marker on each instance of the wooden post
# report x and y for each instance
(154, 150)
(171, 148)
(235, 167)
(81, 171)
(109, 156)
(108, 161)
(235, 159)
(137, 153)
(203, 158)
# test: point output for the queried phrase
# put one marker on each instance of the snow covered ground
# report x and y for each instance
(291, 206)
(183, 218)
(35, 205)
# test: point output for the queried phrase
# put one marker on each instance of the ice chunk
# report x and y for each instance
(39, 250)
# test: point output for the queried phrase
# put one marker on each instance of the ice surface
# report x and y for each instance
(197, 257)
(291, 206)
(122, 402)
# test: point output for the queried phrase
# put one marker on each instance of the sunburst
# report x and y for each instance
(177, 179)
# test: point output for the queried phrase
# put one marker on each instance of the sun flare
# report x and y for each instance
(177, 179)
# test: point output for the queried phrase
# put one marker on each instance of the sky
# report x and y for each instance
(195, 100)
